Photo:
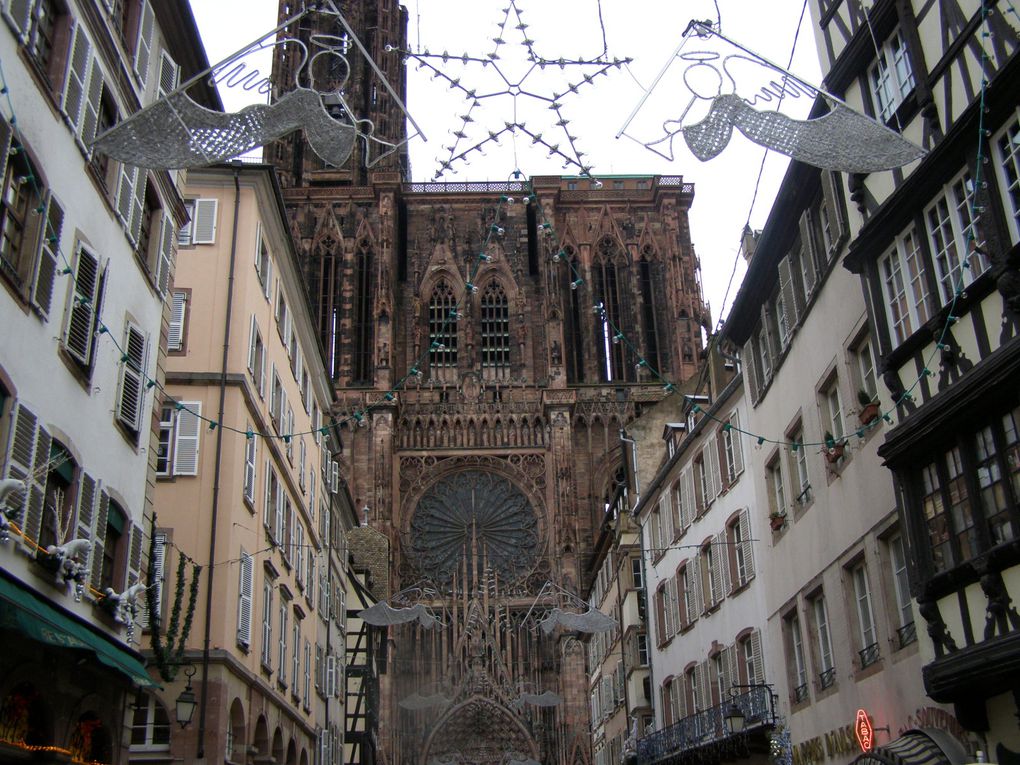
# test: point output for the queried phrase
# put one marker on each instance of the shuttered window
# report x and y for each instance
(49, 248)
(132, 377)
(175, 333)
(203, 229)
(84, 311)
(244, 604)
(187, 435)
(250, 462)
(143, 46)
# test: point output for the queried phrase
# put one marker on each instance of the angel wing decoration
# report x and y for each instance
(544, 699)
(555, 607)
(382, 614)
(589, 621)
(417, 701)
(717, 76)
(177, 132)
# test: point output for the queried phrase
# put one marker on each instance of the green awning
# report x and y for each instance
(31, 615)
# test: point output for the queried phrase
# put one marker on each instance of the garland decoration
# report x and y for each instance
(168, 656)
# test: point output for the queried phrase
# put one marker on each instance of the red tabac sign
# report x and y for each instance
(864, 732)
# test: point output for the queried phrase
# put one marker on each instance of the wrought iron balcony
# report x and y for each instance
(907, 634)
(800, 693)
(708, 736)
(869, 655)
(827, 678)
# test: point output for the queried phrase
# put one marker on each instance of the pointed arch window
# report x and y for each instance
(442, 327)
(495, 329)
(653, 324)
(574, 336)
(610, 292)
(361, 324)
(324, 280)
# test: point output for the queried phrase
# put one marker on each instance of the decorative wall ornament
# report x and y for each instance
(177, 132)
(716, 75)
(409, 605)
(510, 82)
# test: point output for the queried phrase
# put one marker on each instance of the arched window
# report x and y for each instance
(495, 331)
(653, 320)
(24, 716)
(610, 292)
(442, 327)
(58, 506)
(20, 196)
(361, 320)
(574, 335)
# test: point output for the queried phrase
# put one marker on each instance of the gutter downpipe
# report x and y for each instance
(216, 471)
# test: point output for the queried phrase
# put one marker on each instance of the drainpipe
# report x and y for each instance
(216, 473)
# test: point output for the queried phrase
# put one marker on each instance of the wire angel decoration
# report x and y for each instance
(841, 139)
(177, 132)
(382, 614)
(547, 613)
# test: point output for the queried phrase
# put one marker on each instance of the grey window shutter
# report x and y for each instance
(134, 569)
(16, 13)
(204, 224)
(125, 192)
(737, 441)
(80, 326)
(134, 225)
(132, 389)
(91, 106)
(99, 537)
(244, 607)
(169, 75)
(749, 366)
(833, 199)
(791, 300)
(759, 664)
(143, 48)
(167, 237)
(748, 548)
(46, 263)
(175, 332)
(76, 77)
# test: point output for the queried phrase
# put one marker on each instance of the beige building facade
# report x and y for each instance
(248, 485)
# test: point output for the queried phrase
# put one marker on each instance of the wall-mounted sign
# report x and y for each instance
(863, 731)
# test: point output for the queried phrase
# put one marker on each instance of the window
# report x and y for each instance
(795, 658)
(687, 584)
(263, 262)
(295, 664)
(700, 484)
(777, 490)
(951, 232)
(250, 461)
(179, 434)
(164, 454)
(741, 557)
(904, 620)
(799, 466)
(652, 319)
(1006, 145)
(636, 574)
(110, 549)
(733, 453)
(362, 329)
(267, 624)
(442, 327)
(832, 410)
(711, 592)
(610, 291)
(765, 356)
(178, 314)
(868, 651)
(904, 287)
(257, 357)
(244, 599)
(823, 643)
(642, 649)
(281, 677)
(864, 367)
(201, 225)
(277, 403)
(495, 330)
(150, 724)
(131, 392)
(891, 77)
(20, 196)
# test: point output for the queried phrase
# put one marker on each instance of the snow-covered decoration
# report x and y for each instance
(8, 487)
(123, 606)
(69, 562)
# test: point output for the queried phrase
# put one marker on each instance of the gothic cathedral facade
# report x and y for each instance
(493, 408)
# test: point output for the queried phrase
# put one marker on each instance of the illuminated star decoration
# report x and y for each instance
(511, 84)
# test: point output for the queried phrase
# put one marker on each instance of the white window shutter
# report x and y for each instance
(204, 224)
(85, 517)
(125, 192)
(46, 263)
(267, 497)
(330, 675)
(252, 332)
(91, 106)
(143, 47)
(80, 325)
(267, 287)
(712, 464)
(791, 300)
(16, 12)
(737, 440)
(721, 559)
(745, 544)
(132, 377)
(244, 605)
(807, 254)
(187, 438)
(334, 477)
(175, 333)
(278, 524)
(258, 250)
(169, 75)
(759, 664)
(250, 463)
(76, 76)
(167, 237)
(134, 225)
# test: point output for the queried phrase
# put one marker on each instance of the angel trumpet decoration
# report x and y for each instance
(842, 139)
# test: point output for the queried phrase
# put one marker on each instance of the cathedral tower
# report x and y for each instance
(491, 471)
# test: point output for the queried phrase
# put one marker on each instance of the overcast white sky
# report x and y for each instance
(647, 31)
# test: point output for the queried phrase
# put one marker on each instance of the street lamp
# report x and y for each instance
(734, 719)
(186, 702)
